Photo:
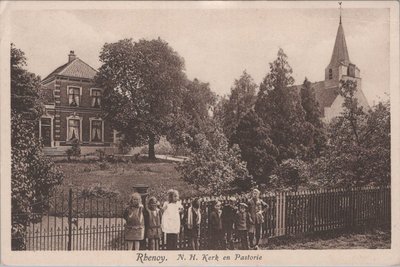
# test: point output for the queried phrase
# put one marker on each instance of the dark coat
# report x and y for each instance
(228, 216)
(243, 220)
(215, 224)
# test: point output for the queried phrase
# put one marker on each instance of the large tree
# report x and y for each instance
(240, 101)
(358, 152)
(256, 147)
(142, 84)
(194, 116)
(32, 174)
(313, 119)
(278, 104)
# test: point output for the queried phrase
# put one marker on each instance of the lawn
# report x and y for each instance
(159, 175)
(371, 239)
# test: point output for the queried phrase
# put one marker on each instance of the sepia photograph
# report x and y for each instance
(222, 132)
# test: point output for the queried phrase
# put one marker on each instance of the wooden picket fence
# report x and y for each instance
(72, 223)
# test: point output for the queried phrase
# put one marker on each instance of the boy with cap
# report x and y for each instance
(242, 222)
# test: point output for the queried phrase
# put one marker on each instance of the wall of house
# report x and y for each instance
(84, 111)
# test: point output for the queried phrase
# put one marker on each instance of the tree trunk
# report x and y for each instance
(152, 154)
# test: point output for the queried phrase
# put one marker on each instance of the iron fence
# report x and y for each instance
(72, 221)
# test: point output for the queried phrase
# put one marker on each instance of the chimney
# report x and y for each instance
(71, 56)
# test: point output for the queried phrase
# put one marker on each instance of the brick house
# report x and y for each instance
(72, 110)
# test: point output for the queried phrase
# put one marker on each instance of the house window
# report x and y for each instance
(96, 98)
(96, 131)
(74, 96)
(330, 74)
(74, 129)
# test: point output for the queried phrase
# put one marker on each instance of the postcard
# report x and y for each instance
(198, 133)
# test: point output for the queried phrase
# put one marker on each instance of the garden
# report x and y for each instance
(120, 177)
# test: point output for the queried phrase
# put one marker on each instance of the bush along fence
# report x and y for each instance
(75, 221)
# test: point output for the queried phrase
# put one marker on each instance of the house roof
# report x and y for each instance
(47, 96)
(76, 68)
(340, 54)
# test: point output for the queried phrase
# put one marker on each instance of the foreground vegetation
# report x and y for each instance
(371, 239)
(122, 176)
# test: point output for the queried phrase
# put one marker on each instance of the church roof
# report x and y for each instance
(340, 54)
(75, 68)
(324, 96)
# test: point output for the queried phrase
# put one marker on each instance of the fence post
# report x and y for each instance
(70, 219)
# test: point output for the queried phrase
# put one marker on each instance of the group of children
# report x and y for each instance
(245, 220)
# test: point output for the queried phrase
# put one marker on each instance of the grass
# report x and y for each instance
(369, 239)
(159, 175)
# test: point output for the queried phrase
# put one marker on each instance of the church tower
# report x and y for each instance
(340, 66)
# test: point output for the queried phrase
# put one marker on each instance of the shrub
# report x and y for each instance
(100, 191)
(75, 150)
(215, 167)
(101, 154)
(162, 148)
(87, 169)
(33, 176)
(290, 174)
(104, 165)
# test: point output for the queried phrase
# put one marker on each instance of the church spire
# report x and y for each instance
(340, 54)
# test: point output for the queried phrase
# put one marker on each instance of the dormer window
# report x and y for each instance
(96, 98)
(74, 95)
(330, 74)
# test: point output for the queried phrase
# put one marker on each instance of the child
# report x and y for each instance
(134, 228)
(255, 226)
(242, 221)
(215, 227)
(228, 218)
(258, 223)
(171, 221)
(153, 227)
(193, 223)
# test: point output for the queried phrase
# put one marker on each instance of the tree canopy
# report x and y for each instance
(279, 106)
(215, 167)
(313, 120)
(194, 116)
(256, 147)
(142, 84)
(234, 107)
(358, 152)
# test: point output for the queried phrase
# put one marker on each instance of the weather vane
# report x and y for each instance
(340, 10)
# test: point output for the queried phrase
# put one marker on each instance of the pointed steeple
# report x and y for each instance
(340, 54)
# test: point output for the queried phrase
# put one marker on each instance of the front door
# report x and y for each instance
(45, 130)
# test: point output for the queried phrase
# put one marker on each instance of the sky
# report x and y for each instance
(217, 44)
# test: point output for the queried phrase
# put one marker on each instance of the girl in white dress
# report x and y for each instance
(171, 218)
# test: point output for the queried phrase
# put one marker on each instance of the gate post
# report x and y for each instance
(70, 219)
